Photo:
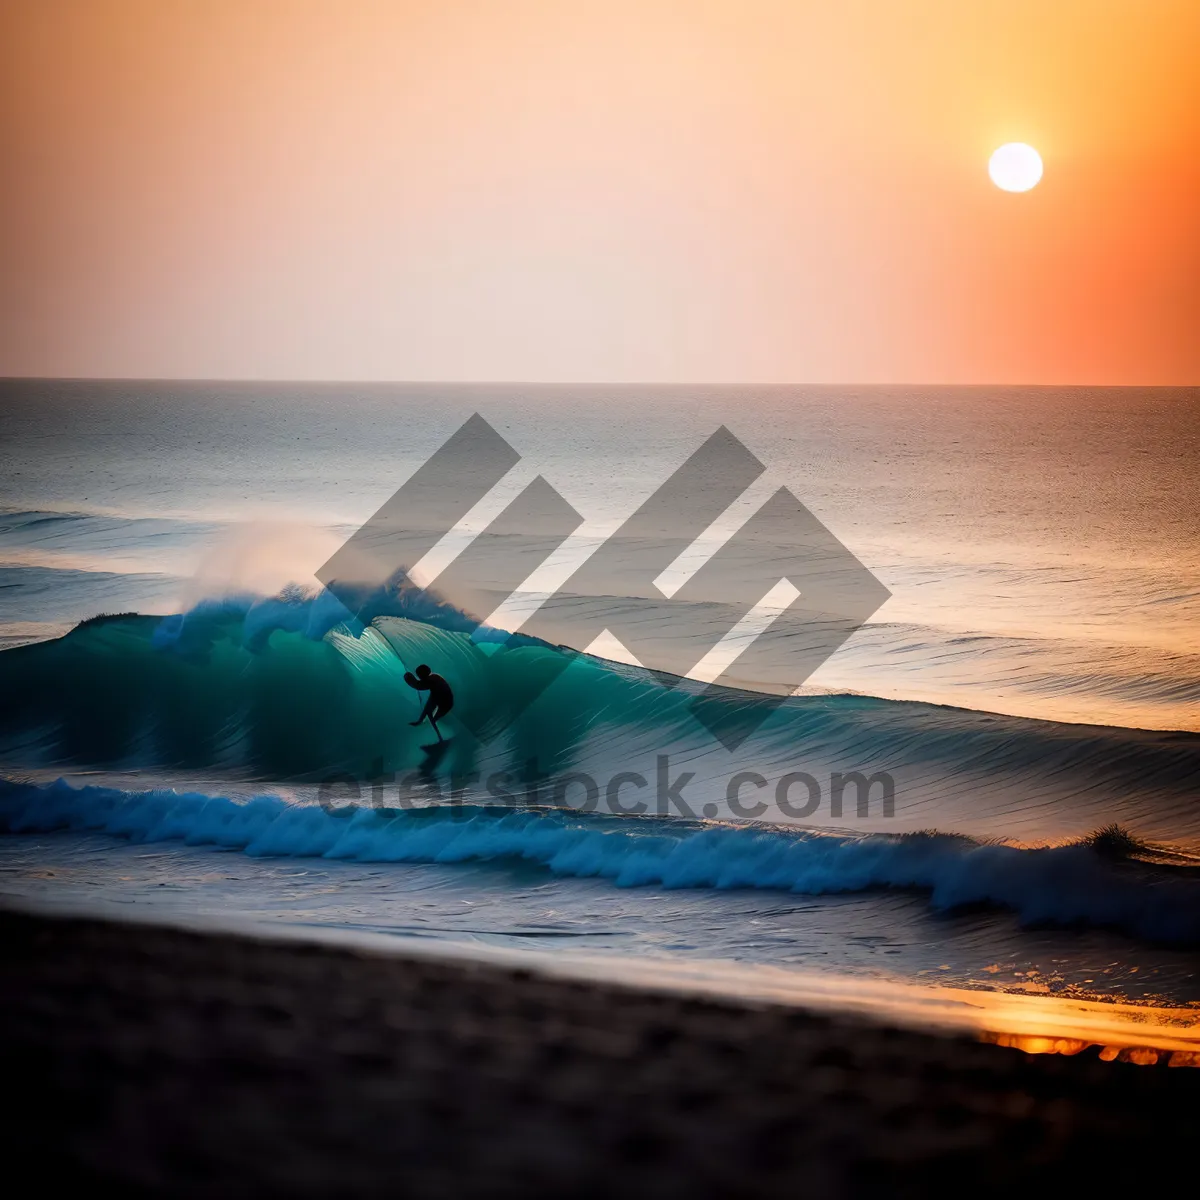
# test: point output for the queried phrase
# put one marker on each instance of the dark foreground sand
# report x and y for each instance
(198, 1064)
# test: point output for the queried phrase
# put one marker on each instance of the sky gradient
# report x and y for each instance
(625, 190)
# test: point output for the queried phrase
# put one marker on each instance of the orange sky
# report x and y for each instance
(717, 190)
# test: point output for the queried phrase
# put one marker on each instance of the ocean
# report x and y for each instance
(1023, 709)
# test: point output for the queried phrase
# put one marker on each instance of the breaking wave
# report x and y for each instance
(292, 689)
(1080, 884)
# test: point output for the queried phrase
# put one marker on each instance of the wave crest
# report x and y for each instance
(1072, 885)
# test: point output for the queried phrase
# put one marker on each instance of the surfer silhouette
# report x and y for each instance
(441, 698)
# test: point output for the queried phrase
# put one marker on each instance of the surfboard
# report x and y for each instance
(432, 758)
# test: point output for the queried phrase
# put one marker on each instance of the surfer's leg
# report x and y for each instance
(436, 716)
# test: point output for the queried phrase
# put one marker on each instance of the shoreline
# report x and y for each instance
(1143, 1033)
(204, 1062)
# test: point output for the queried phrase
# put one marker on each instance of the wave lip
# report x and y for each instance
(1080, 884)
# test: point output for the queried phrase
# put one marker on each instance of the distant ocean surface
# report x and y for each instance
(1034, 677)
(1042, 545)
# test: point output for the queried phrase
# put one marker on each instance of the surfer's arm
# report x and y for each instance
(420, 686)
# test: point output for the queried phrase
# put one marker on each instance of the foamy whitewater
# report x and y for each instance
(232, 744)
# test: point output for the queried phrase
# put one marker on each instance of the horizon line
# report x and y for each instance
(557, 383)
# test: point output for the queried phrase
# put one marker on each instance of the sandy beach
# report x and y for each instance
(167, 1061)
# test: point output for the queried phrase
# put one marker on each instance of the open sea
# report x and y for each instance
(229, 745)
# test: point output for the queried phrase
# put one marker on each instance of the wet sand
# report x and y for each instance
(168, 1061)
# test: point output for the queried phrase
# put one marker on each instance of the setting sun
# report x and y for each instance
(1015, 167)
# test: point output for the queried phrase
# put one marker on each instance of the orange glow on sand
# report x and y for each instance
(1036, 1024)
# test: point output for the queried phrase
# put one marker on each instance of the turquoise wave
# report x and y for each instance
(285, 690)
